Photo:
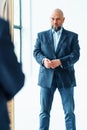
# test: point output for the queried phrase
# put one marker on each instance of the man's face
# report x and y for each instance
(57, 19)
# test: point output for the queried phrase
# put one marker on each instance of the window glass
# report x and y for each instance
(17, 42)
(17, 28)
(17, 12)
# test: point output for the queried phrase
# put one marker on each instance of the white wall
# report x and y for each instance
(27, 101)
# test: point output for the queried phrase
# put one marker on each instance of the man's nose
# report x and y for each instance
(55, 20)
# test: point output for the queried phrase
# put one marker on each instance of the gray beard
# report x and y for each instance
(56, 28)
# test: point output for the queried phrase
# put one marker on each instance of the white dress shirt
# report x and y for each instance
(56, 37)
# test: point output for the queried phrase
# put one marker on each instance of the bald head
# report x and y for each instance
(58, 11)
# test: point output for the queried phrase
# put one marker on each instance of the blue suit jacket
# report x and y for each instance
(11, 75)
(68, 51)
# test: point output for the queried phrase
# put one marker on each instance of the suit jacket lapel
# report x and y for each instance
(61, 41)
(51, 41)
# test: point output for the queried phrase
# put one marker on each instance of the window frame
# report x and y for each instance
(19, 27)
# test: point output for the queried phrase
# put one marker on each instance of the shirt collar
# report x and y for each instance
(58, 32)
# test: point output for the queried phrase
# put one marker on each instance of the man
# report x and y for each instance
(57, 50)
(11, 75)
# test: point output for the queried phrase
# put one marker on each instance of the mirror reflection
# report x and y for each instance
(29, 19)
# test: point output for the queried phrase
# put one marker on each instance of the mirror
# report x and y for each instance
(34, 18)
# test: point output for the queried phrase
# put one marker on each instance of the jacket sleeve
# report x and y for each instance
(11, 74)
(70, 59)
(37, 53)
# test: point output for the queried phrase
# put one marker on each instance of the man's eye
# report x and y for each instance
(56, 19)
(52, 18)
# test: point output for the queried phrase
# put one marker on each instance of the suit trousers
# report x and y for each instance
(46, 99)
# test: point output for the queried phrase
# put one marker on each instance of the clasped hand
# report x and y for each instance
(51, 63)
